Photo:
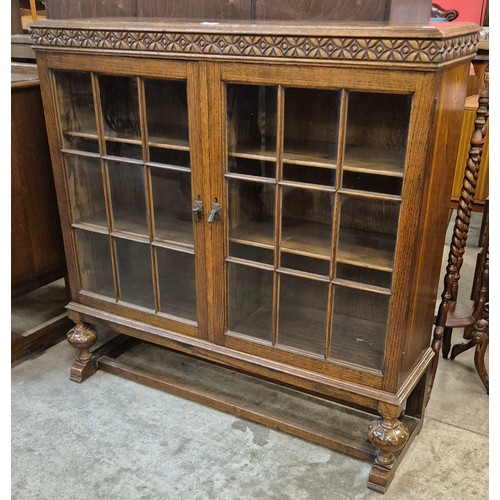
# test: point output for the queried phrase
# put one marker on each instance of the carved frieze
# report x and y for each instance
(402, 50)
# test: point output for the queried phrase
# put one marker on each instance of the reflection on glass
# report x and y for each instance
(94, 262)
(251, 213)
(134, 272)
(166, 111)
(120, 107)
(85, 189)
(302, 314)
(250, 300)
(307, 222)
(76, 106)
(251, 121)
(376, 133)
(367, 235)
(177, 283)
(172, 205)
(311, 134)
(128, 197)
(359, 326)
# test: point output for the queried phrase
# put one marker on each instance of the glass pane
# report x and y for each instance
(367, 235)
(359, 326)
(125, 150)
(307, 222)
(245, 166)
(250, 300)
(311, 135)
(170, 157)
(128, 197)
(251, 121)
(253, 253)
(94, 262)
(364, 275)
(372, 183)
(309, 175)
(302, 314)
(172, 205)
(166, 110)
(177, 283)
(76, 107)
(134, 272)
(376, 135)
(307, 264)
(86, 189)
(251, 213)
(120, 108)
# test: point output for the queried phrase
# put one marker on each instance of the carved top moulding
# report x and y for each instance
(407, 45)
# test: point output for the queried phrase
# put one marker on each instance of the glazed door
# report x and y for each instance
(130, 159)
(313, 179)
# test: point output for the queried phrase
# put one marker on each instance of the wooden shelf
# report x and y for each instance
(257, 325)
(366, 249)
(319, 154)
(374, 161)
(97, 219)
(81, 135)
(129, 219)
(178, 231)
(360, 248)
(163, 142)
(253, 152)
(363, 344)
(158, 142)
(110, 138)
(358, 341)
(122, 138)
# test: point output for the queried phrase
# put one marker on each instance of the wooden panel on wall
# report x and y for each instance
(36, 244)
(483, 186)
(415, 11)
(410, 11)
(195, 9)
(15, 18)
(67, 9)
(361, 10)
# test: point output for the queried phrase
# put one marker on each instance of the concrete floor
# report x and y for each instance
(109, 438)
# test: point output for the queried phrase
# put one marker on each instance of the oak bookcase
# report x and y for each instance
(269, 197)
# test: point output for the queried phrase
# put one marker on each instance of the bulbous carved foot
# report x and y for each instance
(389, 435)
(82, 337)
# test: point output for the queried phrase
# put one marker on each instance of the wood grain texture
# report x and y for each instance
(483, 185)
(451, 97)
(353, 330)
(415, 47)
(36, 241)
(195, 9)
(71, 9)
(336, 10)
(417, 11)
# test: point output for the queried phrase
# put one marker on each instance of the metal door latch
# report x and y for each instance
(198, 210)
(215, 212)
